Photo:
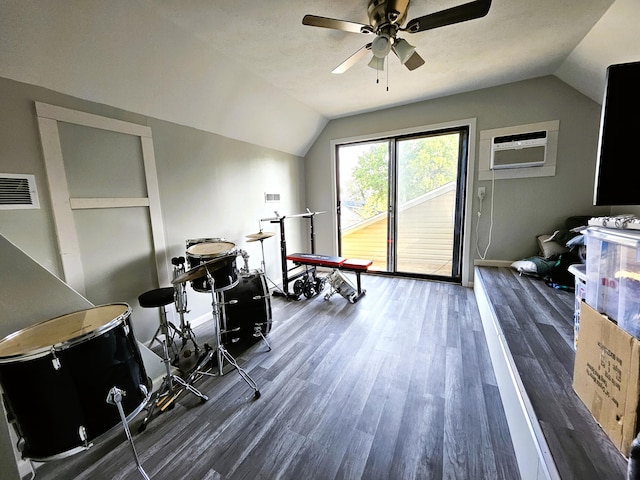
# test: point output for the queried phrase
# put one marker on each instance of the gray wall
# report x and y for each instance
(524, 208)
(210, 186)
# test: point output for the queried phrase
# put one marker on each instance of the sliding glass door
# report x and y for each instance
(400, 202)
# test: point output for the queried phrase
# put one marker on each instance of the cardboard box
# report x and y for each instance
(606, 376)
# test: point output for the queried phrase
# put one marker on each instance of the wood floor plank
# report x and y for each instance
(355, 457)
(454, 451)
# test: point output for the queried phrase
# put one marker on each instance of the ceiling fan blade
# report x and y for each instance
(414, 61)
(461, 13)
(343, 25)
(352, 60)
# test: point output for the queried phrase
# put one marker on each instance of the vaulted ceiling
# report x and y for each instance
(252, 71)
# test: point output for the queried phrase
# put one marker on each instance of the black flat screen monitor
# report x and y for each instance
(617, 180)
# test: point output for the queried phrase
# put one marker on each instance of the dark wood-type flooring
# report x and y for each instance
(537, 322)
(396, 386)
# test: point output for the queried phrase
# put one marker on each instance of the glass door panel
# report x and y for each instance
(427, 172)
(363, 202)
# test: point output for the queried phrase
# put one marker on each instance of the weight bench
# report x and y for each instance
(339, 284)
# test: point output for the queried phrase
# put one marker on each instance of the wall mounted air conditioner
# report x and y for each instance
(519, 151)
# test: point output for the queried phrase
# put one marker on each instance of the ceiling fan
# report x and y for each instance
(386, 18)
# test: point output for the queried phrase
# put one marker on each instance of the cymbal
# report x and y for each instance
(201, 270)
(306, 214)
(259, 236)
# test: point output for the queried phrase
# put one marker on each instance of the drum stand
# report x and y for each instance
(263, 265)
(220, 351)
(115, 398)
(180, 297)
(167, 394)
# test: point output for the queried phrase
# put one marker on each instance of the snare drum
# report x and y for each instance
(252, 311)
(56, 377)
(205, 251)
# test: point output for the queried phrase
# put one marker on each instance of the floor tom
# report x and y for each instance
(251, 311)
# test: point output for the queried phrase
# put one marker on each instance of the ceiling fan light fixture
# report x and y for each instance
(376, 63)
(381, 45)
(403, 50)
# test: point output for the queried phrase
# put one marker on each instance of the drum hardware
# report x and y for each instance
(261, 237)
(180, 300)
(160, 297)
(257, 333)
(286, 278)
(167, 393)
(217, 305)
(245, 257)
(115, 398)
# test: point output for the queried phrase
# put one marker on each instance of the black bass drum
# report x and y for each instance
(250, 314)
(56, 377)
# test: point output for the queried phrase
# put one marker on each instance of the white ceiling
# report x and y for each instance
(518, 39)
(250, 70)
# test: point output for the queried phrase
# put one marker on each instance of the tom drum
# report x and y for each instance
(56, 377)
(207, 250)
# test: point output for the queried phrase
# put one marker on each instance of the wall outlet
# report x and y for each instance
(482, 192)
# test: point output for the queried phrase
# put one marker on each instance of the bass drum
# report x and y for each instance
(250, 314)
(202, 250)
(56, 377)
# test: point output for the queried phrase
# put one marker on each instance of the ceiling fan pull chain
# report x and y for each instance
(387, 74)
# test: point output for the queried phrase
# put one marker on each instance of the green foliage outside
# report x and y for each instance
(424, 164)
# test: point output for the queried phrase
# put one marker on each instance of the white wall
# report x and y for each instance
(524, 208)
(210, 186)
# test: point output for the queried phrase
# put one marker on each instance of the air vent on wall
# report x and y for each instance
(18, 191)
(271, 197)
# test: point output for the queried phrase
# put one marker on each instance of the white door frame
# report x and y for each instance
(63, 205)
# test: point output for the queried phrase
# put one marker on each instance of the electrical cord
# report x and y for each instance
(483, 256)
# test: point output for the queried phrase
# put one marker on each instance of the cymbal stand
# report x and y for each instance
(168, 393)
(180, 300)
(115, 398)
(263, 265)
(220, 351)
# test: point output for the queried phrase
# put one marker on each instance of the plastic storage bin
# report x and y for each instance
(579, 272)
(613, 275)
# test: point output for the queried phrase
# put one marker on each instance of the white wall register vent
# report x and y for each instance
(519, 151)
(271, 197)
(18, 191)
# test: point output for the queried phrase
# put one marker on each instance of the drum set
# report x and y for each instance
(61, 378)
(241, 310)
